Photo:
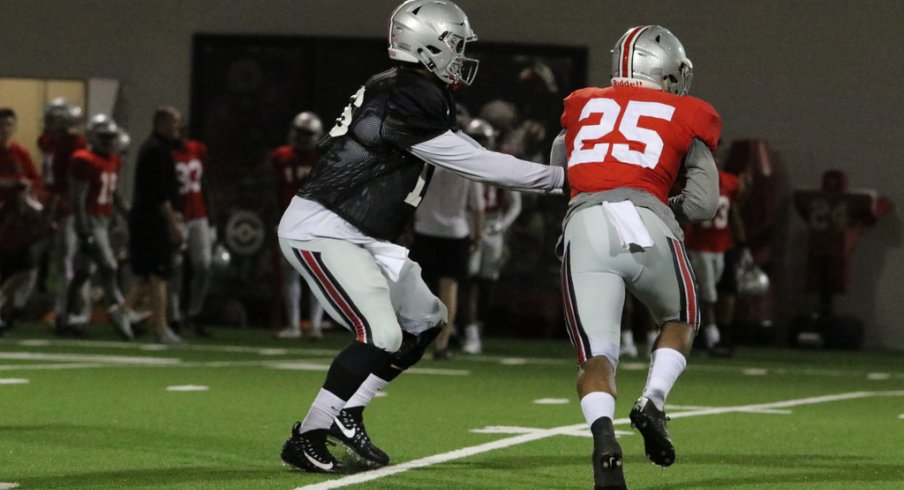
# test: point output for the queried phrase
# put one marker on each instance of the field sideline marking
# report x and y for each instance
(567, 429)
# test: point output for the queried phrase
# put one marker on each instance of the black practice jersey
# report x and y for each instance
(365, 173)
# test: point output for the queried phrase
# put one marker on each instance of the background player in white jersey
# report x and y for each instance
(501, 209)
(375, 166)
(624, 146)
(447, 224)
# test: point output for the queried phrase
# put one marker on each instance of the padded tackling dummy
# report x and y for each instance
(835, 217)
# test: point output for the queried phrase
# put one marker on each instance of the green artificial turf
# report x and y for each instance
(84, 420)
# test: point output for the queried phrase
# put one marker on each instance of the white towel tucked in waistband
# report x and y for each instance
(631, 229)
(389, 256)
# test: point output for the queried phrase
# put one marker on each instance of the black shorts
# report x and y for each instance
(441, 257)
(729, 283)
(150, 252)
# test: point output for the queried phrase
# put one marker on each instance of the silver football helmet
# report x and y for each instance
(306, 130)
(433, 33)
(752, 282)
(103, 133)
(61, 115)
(653, 54)
(482, 132)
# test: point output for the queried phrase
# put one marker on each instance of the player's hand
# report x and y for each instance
(475, 241)
(493, 229)
(176, 237)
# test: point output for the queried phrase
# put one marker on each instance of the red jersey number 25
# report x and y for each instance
(609, 111)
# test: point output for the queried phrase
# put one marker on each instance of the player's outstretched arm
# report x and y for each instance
(453, 152)
(699, 200)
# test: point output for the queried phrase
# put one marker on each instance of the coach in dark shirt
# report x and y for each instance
(155, 230)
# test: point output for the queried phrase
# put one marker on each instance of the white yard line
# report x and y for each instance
(263, 350)
(568, 430)
(33, 367)
(96, 358)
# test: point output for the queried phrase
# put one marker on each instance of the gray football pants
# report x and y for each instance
(352, 289)
(597, 269)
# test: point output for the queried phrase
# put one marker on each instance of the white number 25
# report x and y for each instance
(609, 111)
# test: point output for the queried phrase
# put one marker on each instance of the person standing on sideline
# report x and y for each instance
(291, 164)
(501, 208)
(338, 231)
(624, 146)
(57, 143)
(707, 242)
(21, 223)
(447, 226)
(155, 227)
(94, 173)
(190, 157)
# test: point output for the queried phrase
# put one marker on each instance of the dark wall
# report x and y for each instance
(818, 79)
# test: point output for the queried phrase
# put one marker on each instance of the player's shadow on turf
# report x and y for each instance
(157, 477)
(813, 469)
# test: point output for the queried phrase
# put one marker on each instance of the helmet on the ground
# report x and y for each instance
(433, 33)
(652, 54)
(60, 115)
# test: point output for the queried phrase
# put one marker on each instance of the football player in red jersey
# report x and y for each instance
(291, 164)
(190, 158)
(95, 173)
(706, 244)
(624, 146)
(57, 143)
(20, 226)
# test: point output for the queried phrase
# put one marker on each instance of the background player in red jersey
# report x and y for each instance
(624, 146)
(190, 158)
(95, 173)
(57, 143)
(291, 164)
(501, 209)
(20, 223)
(707, 243)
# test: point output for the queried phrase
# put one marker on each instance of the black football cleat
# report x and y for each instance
(651, 422)
(607, 457)
(348, 431)
(308, 452)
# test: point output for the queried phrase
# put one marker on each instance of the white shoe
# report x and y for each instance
(472, 343)
(120, 319)
(80, 320)
(712, 336)
(314, 333)
(169, 337)
(138, 316)
(289, 333)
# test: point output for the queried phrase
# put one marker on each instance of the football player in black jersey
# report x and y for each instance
(338, 232)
